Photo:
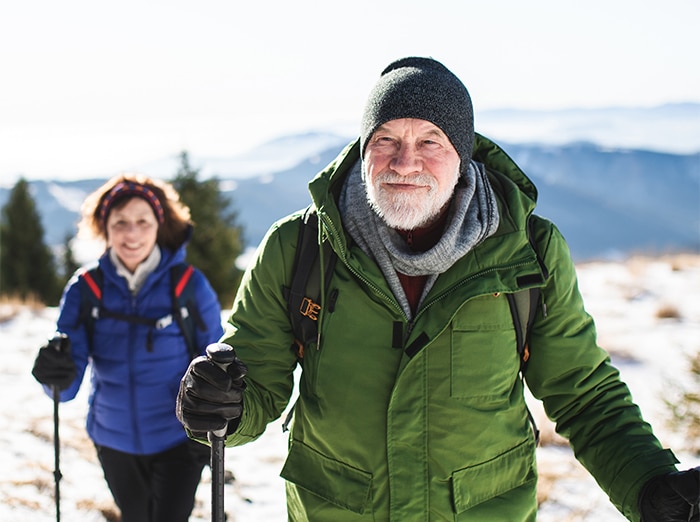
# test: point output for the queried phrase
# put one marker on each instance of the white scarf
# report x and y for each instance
(136, 279)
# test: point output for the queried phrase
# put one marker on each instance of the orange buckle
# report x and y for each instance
(309, 309)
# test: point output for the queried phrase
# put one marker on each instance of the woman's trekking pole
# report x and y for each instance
(55, 369)
(57, 451)
(222, 354)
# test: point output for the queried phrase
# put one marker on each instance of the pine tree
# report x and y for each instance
(68, 263)
(217, 239)
(27, 266)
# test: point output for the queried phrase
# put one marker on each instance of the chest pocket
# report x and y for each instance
(484, 363)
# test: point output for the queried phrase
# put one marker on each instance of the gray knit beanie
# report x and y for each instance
(425, 89)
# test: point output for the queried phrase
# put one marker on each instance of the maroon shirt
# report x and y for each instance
(419, 240)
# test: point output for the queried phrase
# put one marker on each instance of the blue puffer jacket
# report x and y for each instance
(134, 387)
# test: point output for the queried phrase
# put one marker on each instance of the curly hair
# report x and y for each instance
(176, 224)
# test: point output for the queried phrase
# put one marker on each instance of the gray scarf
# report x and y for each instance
(473, 216)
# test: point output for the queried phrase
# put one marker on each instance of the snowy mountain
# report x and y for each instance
(665, 128)
(608, 199)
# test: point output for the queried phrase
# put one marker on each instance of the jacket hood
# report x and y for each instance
(498, 162)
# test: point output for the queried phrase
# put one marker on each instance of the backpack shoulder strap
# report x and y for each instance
(304, 294)
(524, 303)
(93, 279)
(523, 307)
(90, 281)
(185, 311)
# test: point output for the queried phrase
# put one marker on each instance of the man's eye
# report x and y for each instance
(390, 141)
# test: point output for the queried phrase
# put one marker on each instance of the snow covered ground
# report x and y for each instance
(627, 300)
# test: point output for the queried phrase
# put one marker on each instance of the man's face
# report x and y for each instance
(410, 170)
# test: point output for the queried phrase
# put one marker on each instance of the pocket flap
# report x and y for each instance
(327, 478)
(476, 484)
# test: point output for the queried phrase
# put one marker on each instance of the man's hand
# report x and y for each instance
(672, 497)
(211, 398)
(54, 365)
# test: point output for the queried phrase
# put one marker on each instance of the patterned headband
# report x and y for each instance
(134, 189)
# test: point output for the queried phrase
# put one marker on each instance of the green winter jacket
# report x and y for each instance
(442, 433)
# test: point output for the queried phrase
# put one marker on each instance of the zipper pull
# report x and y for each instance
(332, 299)
(544, 308)
(409, 329)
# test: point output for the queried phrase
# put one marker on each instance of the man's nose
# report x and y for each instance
(406, 160)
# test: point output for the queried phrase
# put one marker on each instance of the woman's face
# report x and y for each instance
(132, 230)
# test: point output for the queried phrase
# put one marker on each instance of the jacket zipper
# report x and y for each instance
(343, 254)
(131, 391)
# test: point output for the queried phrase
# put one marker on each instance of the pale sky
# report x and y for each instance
(90, 88)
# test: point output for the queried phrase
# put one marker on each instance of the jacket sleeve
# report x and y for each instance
(259, 330)
(69, 322)
(581, 390)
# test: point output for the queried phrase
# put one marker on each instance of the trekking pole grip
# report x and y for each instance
(222, 355)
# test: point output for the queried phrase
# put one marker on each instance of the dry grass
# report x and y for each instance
(682, 261)
(546, 479)
(107, 509)
(685, 410)
(668, 311)
(10, 306)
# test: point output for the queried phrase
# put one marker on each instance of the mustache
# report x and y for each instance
(416, 179)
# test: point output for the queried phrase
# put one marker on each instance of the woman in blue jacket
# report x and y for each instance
(137, 350)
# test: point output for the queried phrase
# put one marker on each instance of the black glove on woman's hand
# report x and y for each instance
(672, 497)
(211, 398)
(54, 365)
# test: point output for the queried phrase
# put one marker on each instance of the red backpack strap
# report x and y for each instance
(185, 311)
(184, 279)
(89, 277)
(90, 284)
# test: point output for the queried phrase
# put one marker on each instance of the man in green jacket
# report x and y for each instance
(410, 403)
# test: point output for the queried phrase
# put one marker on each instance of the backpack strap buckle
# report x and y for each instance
(164, 322)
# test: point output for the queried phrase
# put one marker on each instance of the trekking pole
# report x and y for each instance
(57, 450)
(55, 370)
(221, 354)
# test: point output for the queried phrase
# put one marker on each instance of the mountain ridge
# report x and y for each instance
(608, 198)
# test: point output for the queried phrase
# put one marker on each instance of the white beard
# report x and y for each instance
(408, 210)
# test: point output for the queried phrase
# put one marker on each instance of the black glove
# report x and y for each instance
(672, 497)
(211, 398)
(54, 365)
